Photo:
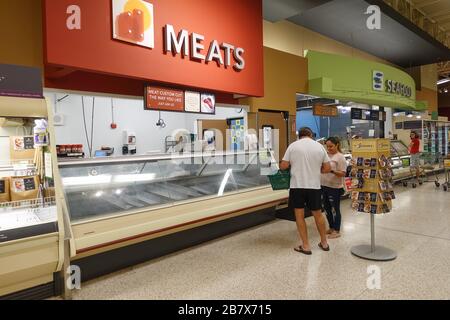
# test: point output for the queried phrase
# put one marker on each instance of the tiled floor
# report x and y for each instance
(260, 263)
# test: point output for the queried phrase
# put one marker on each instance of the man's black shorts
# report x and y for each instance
(301, 198)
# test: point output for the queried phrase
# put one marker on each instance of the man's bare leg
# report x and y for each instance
(301, 227)
(321, 227)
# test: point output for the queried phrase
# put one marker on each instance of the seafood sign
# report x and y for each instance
(390, 86)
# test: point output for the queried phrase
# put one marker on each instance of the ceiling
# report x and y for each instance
(438, 11)
(398, 41)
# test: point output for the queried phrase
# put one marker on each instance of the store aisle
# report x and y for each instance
(260, 263)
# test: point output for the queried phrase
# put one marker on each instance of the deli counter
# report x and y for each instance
(117, 206)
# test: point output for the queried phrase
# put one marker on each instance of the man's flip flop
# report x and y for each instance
(324, 249)
(300, 249)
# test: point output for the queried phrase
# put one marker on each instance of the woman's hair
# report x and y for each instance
(336, 142)
(415, 134)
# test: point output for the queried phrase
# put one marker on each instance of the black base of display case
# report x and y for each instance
(289, 214)
(41, 292)
(114, 260)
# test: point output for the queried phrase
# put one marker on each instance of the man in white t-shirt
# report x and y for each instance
(307, 160)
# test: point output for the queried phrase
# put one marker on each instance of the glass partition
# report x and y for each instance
(114, 186)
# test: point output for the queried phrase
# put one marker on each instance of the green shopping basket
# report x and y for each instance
(280, 180)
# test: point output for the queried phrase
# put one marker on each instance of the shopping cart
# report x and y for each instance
(430, 164)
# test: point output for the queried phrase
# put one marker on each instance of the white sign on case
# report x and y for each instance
(192, 101)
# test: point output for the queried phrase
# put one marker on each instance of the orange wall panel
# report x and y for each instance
(429, 95)
(285, 75)
(21, 32)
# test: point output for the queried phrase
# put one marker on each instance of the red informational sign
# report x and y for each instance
(213, 45)
(164, 99)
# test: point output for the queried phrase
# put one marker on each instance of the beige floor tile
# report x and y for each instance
(423, 274)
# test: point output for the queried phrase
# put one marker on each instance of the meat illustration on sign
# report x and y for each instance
(208, 103)
(133, 22)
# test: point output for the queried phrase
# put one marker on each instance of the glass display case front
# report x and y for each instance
(97, 188)
(400, 156)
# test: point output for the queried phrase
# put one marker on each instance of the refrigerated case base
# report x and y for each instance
(28, 263)
(51, 287)
(114, 260)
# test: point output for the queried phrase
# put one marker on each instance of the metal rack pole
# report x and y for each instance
(372, 231)
(372, 251)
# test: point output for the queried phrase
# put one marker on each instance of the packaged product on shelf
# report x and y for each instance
(366, 174)
(374, 209)
(360, 162)
(383, 186)
(392, 194)
(373, 174)
(360, 183)
(361, 196)
(361, 207)
(4, 190)
(355, 195)
(355, 205)
(24, 188)
(367, 162)
(40, 133)
(367, 197)
(373, 197)
(22, 148)
(385, 197)
(360, 173)
(383, 161)
(373, 162)
(367, 207)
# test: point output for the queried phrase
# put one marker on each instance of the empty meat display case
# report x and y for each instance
(119, 202)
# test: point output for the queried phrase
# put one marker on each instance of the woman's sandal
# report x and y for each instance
(300, 249)
(324, 249)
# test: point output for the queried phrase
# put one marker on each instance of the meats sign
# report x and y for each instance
(215, 45)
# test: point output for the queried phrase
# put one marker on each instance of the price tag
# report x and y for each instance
(48, 165)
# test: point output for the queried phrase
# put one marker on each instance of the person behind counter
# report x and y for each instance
(333, 186)
(307, 159)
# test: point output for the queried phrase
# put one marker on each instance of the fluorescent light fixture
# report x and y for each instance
(89, 180)
(419, 117)
(118, 192)
(409, 116)
(224, 182)
(442, 81)
(135, 177)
